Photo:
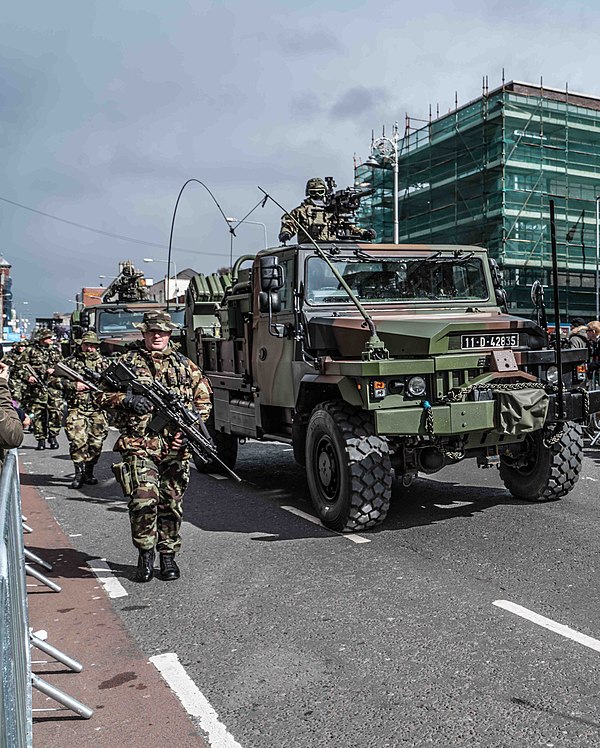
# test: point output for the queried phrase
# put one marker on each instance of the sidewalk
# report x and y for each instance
(132, 704)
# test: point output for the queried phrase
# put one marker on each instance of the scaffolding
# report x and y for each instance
(484, 174)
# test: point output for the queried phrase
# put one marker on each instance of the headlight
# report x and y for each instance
(552, 374)
(416, 386)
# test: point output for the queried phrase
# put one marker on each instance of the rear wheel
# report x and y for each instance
(545, 473)
(348, 468)
(227, 449)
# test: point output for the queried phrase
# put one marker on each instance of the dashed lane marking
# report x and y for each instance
(309, 517)
(193, 700)
(111, 584)
(216, 476)
(548, 623)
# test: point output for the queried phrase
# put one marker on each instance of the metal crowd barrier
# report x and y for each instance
(15, 657)
(16, 640)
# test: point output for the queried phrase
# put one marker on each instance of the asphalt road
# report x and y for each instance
(299, 637)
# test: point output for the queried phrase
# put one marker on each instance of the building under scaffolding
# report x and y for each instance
(484, 174)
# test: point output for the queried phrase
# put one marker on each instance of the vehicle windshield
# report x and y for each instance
(436, 277)
(112, 321)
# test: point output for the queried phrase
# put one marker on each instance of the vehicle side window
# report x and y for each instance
(286, 292)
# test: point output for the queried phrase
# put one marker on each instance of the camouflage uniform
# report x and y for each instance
(45, 405)
(17, 380)
(314, 220)
(86, 426)
(11, 428)
(153, 474)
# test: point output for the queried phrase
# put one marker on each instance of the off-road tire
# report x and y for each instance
(551, 471)
(227, 449)
(348, 468)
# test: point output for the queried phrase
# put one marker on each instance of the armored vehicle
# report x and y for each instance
(379, 361)
(121, 307)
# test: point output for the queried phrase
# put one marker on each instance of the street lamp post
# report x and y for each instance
(167, 277)
(385, 147)
(256, 223)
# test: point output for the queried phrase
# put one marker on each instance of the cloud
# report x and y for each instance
(308, 42)
(358, 101)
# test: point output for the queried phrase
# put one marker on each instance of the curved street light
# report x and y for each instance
(384, 147)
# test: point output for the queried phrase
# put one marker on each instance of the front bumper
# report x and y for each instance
(466, 417)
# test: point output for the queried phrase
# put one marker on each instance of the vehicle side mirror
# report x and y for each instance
(271, 274)
(269, 302)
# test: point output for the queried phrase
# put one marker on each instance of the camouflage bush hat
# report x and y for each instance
(90, 337)
(156, 321)
(43, 334)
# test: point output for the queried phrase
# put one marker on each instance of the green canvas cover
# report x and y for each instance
(521, 411)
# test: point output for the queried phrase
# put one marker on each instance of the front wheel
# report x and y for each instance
(348, 468)
(539, 472)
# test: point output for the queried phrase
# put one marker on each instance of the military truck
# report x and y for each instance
(379, 361)
(122, 306)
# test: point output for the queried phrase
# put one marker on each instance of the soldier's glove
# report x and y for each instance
(284, 236)
(139, 404)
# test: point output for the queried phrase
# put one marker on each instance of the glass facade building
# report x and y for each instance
(484, 174)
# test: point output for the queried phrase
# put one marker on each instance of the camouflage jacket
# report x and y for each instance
(79, 362)
(314, 220)
(11, 428)
(14, 360)
(178, 374)
(41, 358)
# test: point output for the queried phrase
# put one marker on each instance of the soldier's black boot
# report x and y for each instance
(52, 443)
(145, 567)
(168, 568)
(41, 444)
(88, 474)
(77, 481)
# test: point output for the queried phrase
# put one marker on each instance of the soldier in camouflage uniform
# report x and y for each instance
(13, 359)
(44, 399)
(11, 428)
(87, 425)
(155, 470)
(312, 216)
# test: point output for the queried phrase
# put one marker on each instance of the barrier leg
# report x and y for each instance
(72, 664)
(26, 528)
(62, 697)
(41, 578)
(37, 560)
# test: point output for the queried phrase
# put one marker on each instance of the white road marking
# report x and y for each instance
(76, 535)
(454, 504)
(103, 572)
(193, 700)
(50, 497)
(216, 476)
(316, 521)
(548, 623)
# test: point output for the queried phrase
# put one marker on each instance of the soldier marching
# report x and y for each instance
(44, 398)
(86, 425)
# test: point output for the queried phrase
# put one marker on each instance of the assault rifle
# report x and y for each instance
(30, 371)
(169, 408)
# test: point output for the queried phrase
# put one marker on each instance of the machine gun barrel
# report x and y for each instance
(28, 368)
(169, 409)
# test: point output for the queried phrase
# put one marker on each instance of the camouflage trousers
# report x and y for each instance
(86, 432)
(156, 501)
(46, 409)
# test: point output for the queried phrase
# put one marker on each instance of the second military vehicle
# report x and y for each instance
(122, 306)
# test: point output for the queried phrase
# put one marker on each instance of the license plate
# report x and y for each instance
(488, 340)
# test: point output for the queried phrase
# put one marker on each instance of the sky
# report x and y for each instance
(108, 108)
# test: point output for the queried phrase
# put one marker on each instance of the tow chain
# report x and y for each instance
(458, 395)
